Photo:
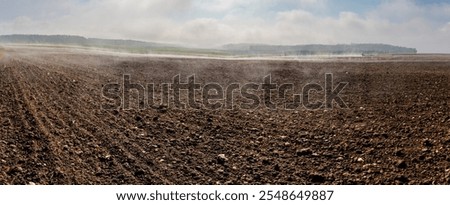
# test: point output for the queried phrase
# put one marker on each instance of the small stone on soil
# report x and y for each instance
(221, 158)
(303, 152)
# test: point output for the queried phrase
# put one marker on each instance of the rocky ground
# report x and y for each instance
(396, 129)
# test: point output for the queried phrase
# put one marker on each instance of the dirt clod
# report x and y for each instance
(401, 164)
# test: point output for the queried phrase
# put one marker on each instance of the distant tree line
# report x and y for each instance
(76, 40)
(315, 49)
(230, 49)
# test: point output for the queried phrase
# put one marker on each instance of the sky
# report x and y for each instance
(420, 24)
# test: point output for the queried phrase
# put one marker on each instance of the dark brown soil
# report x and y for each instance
(53, 130)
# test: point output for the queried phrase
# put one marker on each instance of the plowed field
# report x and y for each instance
(53, 130)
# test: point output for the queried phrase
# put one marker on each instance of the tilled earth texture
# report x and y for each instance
(55, 128)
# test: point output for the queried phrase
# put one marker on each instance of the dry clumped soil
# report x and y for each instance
(396, 129)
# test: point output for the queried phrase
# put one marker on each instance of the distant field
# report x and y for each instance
(53, 130)
(2, 50)
(216, 54)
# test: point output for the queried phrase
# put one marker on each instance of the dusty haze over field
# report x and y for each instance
(422, 24)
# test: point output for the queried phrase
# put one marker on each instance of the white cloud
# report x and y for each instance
(397, 10)
(295, 16)
(213, 23)
(446, 28)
